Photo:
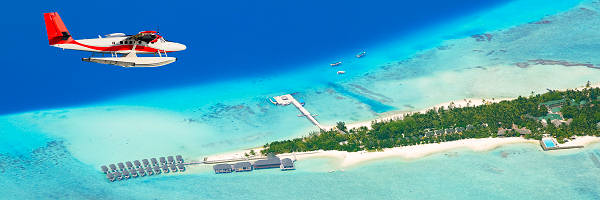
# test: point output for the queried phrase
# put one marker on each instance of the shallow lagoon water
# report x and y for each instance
(201, 120)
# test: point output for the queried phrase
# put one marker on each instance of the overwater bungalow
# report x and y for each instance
(165, 168)
(104, 169)
(154, 161)
(129, 165)
(125, 174)
(242, 167)
(149, 171)
(223, 168)
(271, 162)
(170, 159)
(110, 177)
(137, 163)
(113, 167)
(133, 173)
(121, 166)
(141, 171)
(179, 158)
(118, 175)
(180, 167)
(146, 162)
(172, 167)
(163, 160)
(156, 169)
(287, 164)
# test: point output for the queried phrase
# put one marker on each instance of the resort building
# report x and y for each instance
(129, 165)
(141, 171)
(125, 174)
(180, 167)
(163, 160)
(121, 166)
(104, 169)
(113, 167)
(439, 132)
(165, 169)
(137, 163)
(133, 173)
(428, 133)
(172, 167)
(223, 168)
(271, 162)
(502, 132)
(179, 158)
(287, 164)
(149, 171)
(117, 175)
(170, 160)
(154, 161)
(459, 129)
(146, 163)
(242, 166)
(156, 169)
(110, 177)
(470, 127)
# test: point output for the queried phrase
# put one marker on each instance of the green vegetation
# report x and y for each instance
(477, 122)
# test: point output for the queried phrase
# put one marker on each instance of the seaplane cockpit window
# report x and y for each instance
(146, 37)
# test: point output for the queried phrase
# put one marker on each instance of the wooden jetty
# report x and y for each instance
(289, 99)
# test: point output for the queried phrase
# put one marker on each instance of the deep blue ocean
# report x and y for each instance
(225, 39)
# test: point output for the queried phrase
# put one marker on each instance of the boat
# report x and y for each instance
(341, 72)
(336, 64)
(331, 171)
(361, 54)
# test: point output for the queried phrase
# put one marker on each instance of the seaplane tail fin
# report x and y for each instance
(56, 29)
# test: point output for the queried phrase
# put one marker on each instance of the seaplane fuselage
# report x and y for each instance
(123, 48)
(121, 45)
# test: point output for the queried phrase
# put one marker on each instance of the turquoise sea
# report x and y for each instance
(56, 153)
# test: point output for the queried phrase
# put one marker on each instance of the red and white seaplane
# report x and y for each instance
(122, 48)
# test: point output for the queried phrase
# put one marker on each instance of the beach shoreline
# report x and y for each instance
(348, 159)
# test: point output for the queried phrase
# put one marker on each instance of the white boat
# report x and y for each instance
(341, 72)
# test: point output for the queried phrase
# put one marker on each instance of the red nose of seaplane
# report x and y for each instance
(124, 49)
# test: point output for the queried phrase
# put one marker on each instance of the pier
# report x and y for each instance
(289, 99)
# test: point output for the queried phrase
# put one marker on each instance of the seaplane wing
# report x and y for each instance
(123, 49)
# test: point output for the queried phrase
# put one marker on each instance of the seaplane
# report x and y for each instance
(123, 49)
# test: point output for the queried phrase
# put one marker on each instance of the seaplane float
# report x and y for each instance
(122, 48)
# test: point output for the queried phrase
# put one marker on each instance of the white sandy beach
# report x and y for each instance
(347, 159)
(410, 152)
